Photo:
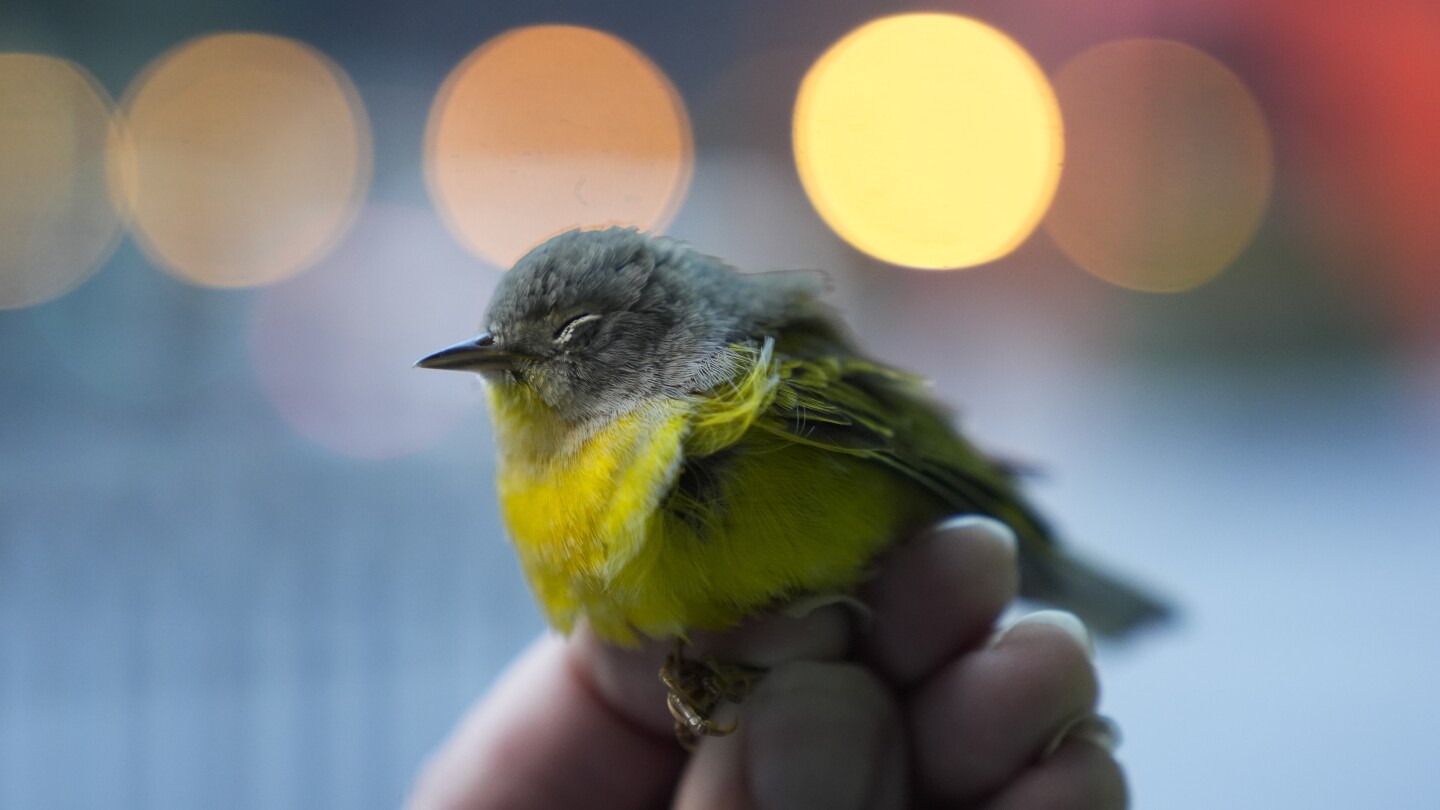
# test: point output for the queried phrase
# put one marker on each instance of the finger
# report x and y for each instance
(939, 596)
(1080, 775)
(542, 739)
(812, 735)
(815, 629)
(981, 720)
(628, 679)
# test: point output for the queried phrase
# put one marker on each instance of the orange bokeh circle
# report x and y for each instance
(553, 127)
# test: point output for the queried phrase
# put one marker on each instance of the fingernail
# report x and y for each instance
(1096, 729)
(1062, 620)
(982, 525)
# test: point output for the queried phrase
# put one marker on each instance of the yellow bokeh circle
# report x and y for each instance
(928, 140)
(1169, 166)
(242, 160)
(57, 225)
(552, 127)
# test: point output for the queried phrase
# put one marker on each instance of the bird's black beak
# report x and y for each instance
(477, 354)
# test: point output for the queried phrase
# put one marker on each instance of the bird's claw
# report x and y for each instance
(697, 689)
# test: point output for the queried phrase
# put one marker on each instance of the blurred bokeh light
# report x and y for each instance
(57, 225)
(1361, 84)
(334, 348)
(242, 159)
(1168, 167)
(552, 127)
(928, 140)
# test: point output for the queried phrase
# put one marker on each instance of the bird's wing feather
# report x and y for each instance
(852, 405)
(845, 403)
(811, 389)
(814, 391)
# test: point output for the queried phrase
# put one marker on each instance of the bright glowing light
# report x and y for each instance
(552, 127)
(333, 349)
(1169, 165)
(928, 140)
(243, 160)
(56, 224)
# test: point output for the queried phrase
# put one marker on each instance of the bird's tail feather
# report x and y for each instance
(1107, 604)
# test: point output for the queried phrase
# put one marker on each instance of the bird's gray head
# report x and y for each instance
(596, 322)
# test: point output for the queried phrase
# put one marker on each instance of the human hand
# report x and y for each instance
(928, 706)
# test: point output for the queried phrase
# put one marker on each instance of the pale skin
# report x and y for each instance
(921, 704)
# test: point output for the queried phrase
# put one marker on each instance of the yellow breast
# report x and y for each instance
(577, 499)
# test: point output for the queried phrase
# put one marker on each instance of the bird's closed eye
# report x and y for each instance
(567, 331)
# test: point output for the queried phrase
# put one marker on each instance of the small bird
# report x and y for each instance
(682, 445)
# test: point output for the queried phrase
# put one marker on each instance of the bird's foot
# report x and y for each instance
(698, 688)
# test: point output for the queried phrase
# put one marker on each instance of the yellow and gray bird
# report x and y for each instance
(682, 445)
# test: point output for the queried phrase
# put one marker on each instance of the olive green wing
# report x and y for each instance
(845, 403)
(848, 404)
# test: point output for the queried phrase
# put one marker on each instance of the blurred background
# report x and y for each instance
(1182, 255)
